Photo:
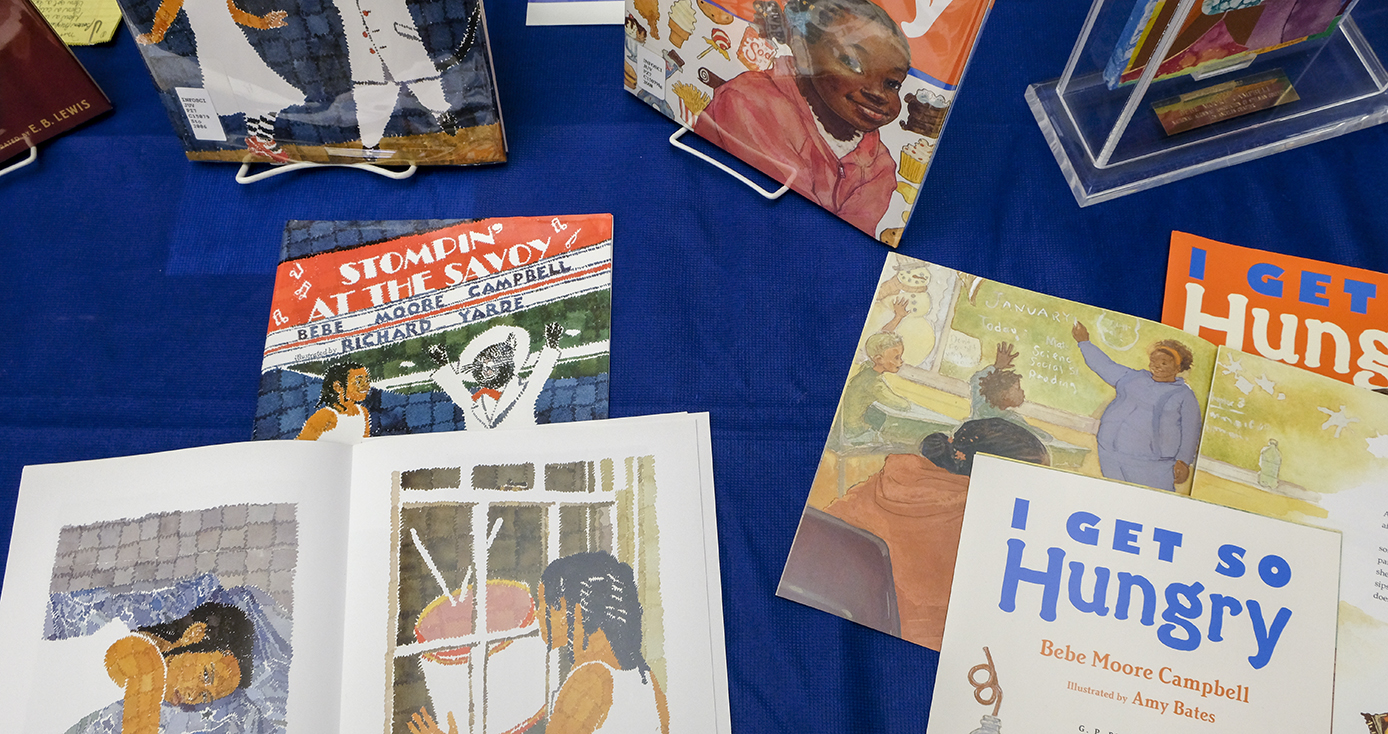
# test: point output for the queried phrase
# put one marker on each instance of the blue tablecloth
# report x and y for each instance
(135, 288)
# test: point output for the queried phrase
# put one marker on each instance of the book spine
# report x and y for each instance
(1142, 14)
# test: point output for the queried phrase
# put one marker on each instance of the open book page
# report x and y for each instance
(949, 365)
(225, 561)
(1288, 443)
(1086, 605)
(499, 577)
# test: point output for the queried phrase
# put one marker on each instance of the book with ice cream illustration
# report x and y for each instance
(844, 101)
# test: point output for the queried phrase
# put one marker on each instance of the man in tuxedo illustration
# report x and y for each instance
(498, 397)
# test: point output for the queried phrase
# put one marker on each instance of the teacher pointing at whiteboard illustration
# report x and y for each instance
(1150, 431)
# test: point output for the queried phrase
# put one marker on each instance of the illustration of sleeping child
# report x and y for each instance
(812, 119)
(236, 78)
(173, 672)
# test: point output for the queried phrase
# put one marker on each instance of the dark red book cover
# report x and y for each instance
(44, 91)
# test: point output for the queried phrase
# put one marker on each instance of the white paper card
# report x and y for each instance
(202, 116)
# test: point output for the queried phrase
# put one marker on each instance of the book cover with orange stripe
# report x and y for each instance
(1319, 316)
(395, 327)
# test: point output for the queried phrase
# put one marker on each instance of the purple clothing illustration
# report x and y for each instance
(1147, 427)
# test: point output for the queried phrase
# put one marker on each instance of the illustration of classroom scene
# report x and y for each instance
(172, 622)
(571, 601)
(1102, 393)
(950, 366)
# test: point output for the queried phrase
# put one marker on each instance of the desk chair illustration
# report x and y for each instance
(842, 570)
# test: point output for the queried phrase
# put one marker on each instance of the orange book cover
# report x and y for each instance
(1319, 316)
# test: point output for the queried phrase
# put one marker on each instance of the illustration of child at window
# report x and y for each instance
(591, 612)
(812, 119)
(1150, 431)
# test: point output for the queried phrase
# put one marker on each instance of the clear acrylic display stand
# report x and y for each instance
(1110, 142)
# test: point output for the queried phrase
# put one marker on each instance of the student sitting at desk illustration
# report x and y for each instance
(915, 504)
(996, 392)
(893, 537)
(867, 386)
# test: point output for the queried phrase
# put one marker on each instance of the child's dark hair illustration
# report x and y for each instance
(228, 630)
(992, 385)
(336, 374)
(997, 436)
(606, 590)
(1182, 352)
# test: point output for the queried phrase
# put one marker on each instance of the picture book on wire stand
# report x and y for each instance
(324, 81)
(44, 91)
(842, 100)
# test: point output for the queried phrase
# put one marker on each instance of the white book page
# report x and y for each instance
(122, 543)
(633, 490)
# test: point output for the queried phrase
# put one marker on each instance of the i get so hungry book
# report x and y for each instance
(1083, 605)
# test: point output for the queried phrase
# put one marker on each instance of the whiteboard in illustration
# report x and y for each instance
(170, 623)
(529, 598)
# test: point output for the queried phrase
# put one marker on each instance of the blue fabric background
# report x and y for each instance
(135, 287)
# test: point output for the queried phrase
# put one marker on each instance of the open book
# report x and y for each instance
(479, 582)
(1289, 443)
